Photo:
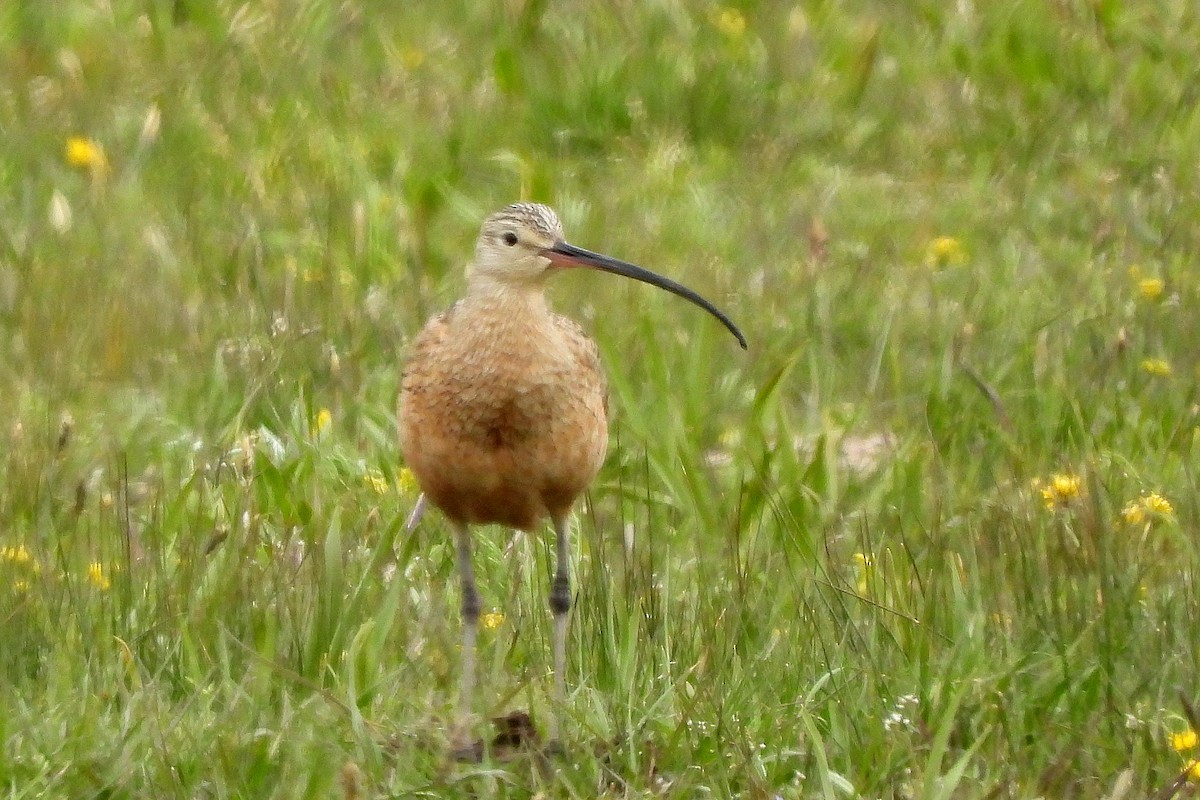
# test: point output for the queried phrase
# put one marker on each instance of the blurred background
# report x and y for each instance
(952, 479)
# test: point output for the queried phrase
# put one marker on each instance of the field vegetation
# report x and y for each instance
(933, 536)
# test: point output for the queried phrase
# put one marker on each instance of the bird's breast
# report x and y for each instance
(500, 413)
(499, 394)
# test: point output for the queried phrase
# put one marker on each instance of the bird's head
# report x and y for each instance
(513, 243)
(523, 243)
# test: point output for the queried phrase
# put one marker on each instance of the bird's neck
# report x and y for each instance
(522, 297)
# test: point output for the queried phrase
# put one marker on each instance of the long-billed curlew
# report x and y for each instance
(503, 405)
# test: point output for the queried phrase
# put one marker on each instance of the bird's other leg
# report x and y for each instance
(470, 623)
(560, 604)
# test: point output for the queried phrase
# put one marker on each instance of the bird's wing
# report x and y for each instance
(586, 353)
(420, 356)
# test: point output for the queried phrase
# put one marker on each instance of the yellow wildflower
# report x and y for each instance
(322, 421)
(1066, 484)
(1158, 367)
(1193, 770)
(87, 154)
(374, 478)
(1134, 513)
(18, 555)
(729, 21)
(20, 585)
(945, 251)
(95, 573)
(1151, 288)
(1184, 740)
(1062, 489)
(1157, 504)
(492, 620)
(1147, 506)
(406, 482)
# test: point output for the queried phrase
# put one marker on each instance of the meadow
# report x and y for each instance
(934, 535)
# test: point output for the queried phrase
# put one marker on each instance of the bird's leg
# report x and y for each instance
(560, 604)
(470, 623)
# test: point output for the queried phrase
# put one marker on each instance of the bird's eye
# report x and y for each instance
(509, 238)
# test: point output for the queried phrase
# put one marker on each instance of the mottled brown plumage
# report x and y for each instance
(503, 410)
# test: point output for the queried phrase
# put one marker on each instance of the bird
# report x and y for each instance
(503, 409)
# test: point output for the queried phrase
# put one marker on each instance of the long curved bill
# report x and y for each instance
(568, 255)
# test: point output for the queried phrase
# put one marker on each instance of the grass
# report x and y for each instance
(825, 568)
